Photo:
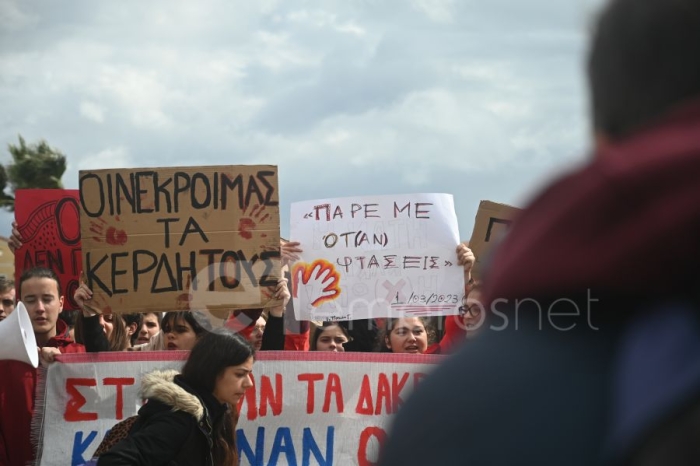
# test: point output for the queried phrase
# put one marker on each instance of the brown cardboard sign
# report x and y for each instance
(492, 221)
(178, 238)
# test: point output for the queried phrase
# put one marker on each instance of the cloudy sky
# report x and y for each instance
(483, 99)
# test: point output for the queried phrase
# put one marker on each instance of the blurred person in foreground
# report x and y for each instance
(590, 353)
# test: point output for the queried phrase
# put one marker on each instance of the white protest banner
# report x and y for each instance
(306, 408)
(376, 256)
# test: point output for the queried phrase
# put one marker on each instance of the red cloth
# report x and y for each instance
(296, 341)
(17, 390)
(628, 223)
(455, 335)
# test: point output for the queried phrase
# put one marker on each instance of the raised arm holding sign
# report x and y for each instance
(379, 256)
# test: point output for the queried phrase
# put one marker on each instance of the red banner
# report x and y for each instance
(49, 224)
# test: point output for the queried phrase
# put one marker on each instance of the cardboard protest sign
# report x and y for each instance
(492, 222)
(48, 221)
(160, 239)
(305, 408)
(376, 256)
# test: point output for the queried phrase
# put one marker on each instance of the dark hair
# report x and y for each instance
(38, 272)
(391, 323)
(197, 320)
(643, 61)
(134, 318)
(69, 317)
(159, 316)
(6, 284)
(211, 355)
(320, 329)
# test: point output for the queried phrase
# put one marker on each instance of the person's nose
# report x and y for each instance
(248, 382)
(143, 331)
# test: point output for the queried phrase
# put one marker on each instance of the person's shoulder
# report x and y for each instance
(14, 370)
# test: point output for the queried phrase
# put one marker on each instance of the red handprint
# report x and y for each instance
(113, 236)
(183, 300)
(319, 280)
(251, 220)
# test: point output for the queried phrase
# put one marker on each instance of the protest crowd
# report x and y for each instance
(519, 377)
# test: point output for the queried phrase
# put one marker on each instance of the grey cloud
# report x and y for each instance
(348, 97)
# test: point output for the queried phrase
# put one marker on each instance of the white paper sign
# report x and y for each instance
(376, 256)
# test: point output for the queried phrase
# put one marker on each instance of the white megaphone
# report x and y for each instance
(17, 340)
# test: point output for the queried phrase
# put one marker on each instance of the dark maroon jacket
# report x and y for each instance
(17, 396)
(628, 223)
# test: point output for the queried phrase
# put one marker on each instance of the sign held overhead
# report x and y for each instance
(159, 239)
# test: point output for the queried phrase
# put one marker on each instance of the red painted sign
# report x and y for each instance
(48, 221)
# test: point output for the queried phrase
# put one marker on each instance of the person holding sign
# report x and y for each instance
(180, 330)
(415, 334)
(420, 328)
(101, 331)
(191, 417)
(105, 332)
(263, 333)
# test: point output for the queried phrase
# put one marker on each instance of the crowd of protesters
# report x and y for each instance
(623, 392)
(90, 329)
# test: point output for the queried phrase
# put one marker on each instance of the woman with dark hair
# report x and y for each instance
(331, 336)
(406, 335)
(104, 332)
(182, 329)
(100, 331)
(190, 418)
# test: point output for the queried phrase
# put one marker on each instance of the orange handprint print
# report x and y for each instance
(320, 282)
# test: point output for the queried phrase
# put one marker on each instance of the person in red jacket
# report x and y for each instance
(40, 292)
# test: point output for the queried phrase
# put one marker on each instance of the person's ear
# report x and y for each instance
(131, 328)
(387, 342)
(60, 304)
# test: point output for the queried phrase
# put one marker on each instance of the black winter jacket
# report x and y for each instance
(174, 426)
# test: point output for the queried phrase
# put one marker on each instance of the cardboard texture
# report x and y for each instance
(492, 221)
(48, 221)
(162, 239)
